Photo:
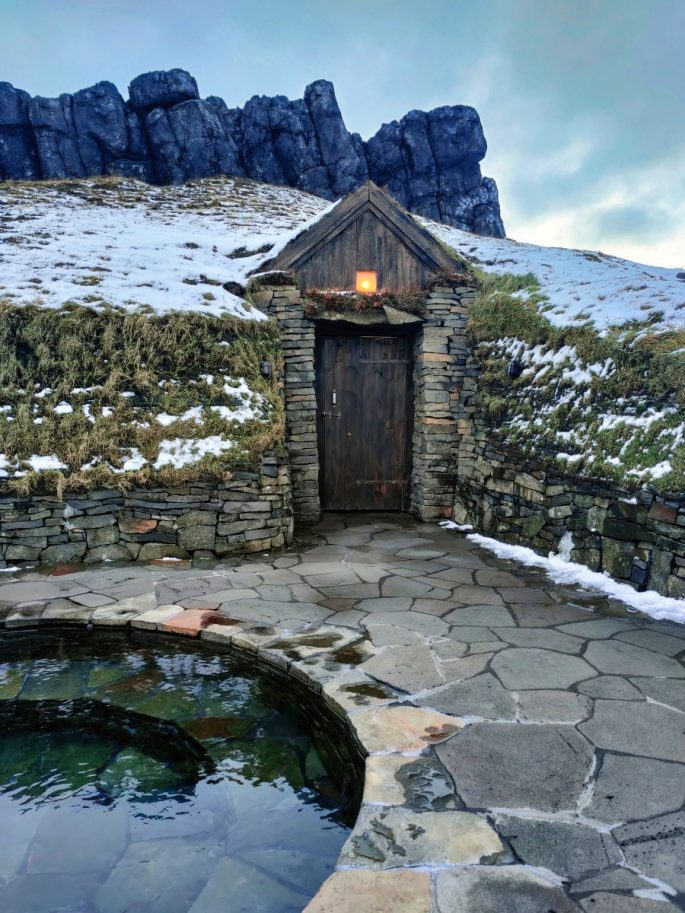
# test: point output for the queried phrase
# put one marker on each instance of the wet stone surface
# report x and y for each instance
(132, 770)
(525, 740)
(388, 837)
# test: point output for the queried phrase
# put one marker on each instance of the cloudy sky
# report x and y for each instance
(582, 101)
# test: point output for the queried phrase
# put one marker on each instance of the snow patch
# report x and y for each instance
(565, 546)
(579, 285)
(44, 463)
(564, 571)
(180, 452)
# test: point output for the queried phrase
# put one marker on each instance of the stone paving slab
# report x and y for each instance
(663, 690)
(618, 658)
(409, 668)
(521, 668)
(399, 891)
(384, 838)
(192, 621)
(496, 890)
(553, 707)
(404, 729)
(481, 697)
(572, 851)
(421, 783)
(507, 765)
(629, 788)
(643, 729)
(483, 615)
(505, 719)
(153, 619)
(611, 687)
(545, 639)
(653, 640)
(655, 847)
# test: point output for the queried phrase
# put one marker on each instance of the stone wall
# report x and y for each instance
(440, 355)
(440, 368)
(284, 304)
(253, 512)
(637, 537)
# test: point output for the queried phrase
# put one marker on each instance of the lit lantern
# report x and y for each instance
(366, 282)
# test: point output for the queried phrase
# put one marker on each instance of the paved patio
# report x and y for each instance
(525, 741)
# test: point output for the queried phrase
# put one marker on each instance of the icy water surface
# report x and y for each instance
(152, 775)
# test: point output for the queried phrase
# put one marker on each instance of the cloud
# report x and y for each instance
(581, 103)
(638, 213)
(634, 222)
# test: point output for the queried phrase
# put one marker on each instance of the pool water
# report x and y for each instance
(145, 774)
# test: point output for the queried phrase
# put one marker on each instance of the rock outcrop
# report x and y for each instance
(165, 133)
(429, 161)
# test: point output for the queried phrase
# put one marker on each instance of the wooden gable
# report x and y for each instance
(367, 230)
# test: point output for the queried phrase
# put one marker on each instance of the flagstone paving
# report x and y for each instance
(525, 741)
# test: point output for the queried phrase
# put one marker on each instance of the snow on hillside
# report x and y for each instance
(600, 408)
(118, 242)
(579, 284)
(121, 242)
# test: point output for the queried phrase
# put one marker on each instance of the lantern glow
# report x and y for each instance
(365, 281)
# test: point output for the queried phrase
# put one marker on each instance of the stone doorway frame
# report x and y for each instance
(440, 370)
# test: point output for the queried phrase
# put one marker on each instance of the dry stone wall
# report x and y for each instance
(637, 537)
(440, 355)
(284, 303)
(439, 373)
(252, 512)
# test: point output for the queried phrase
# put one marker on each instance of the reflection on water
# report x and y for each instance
(153, 776)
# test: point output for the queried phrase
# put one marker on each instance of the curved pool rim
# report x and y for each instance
(385, 727)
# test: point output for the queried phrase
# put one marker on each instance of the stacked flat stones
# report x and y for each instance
(441, 365)
(252, 512)
(440, 370)
(637, 537)
(284, 303)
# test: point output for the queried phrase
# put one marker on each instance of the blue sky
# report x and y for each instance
(582, 101)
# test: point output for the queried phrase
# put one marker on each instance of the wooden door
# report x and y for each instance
(365, 422)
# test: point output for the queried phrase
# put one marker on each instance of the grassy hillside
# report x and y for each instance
(602, 344)
(120, 243)
(119, 301)
(123, 358)
(104, 398)
(607, 403)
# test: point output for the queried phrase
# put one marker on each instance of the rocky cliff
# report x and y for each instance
(165, 133)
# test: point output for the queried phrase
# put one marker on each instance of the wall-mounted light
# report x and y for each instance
(366, 281)
(266, 369)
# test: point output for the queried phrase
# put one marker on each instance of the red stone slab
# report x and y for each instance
(136, 525)
(192, 621)
(61, 569)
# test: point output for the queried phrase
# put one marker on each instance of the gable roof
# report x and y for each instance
(369, 197)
